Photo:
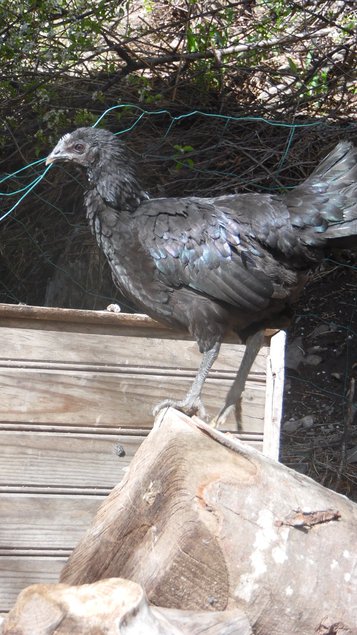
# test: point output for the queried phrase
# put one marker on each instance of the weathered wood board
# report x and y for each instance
(73, 460)
(19, 571)
(108, 399)
(77, 393)
(47, 520)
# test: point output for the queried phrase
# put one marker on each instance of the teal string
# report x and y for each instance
(27, 189)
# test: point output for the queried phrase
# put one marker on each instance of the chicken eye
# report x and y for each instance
(78, 147)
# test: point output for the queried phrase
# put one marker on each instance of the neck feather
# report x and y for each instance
(116, 183)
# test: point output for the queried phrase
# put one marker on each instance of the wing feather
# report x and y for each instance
(199, 245)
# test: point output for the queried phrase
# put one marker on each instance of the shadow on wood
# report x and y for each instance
(203, 522)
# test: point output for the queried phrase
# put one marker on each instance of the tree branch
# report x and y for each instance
(149, 62)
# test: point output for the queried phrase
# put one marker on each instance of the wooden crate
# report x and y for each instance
(77, 393)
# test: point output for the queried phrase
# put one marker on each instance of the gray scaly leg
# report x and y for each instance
(192, 403)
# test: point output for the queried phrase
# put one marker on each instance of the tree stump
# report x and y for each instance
(204, 522)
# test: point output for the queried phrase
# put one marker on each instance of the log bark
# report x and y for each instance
(204, 522)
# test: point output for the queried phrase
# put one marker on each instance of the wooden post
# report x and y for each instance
(274, 395)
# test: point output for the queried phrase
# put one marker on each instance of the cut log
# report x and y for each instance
(204, 522)
(110, 607)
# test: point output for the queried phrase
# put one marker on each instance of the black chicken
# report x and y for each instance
(210, 265)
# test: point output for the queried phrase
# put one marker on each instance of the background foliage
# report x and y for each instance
(64, 62)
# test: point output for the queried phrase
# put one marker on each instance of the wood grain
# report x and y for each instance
(110, 346)
(110, 399)
(80, 316)
(274, 395)
(63, 460)
(18, 572)
(61, 609)
(38, 521)
(68, 463)
(204, 522)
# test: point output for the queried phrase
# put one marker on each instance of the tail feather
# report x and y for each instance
(338, 172)
(325, 204)
(338, 163)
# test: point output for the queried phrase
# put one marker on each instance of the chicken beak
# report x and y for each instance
(57, 154)
(50, 159)
(54, 156)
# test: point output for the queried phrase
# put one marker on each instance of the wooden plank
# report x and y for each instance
(67, 463)
(51, 314)
(110, 399)
(43, 427)
(114, 347)
(18, 572)
(64, 460)
(274, 395)
(97, 432)
(38, 521)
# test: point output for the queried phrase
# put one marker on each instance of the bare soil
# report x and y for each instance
(319, 436)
